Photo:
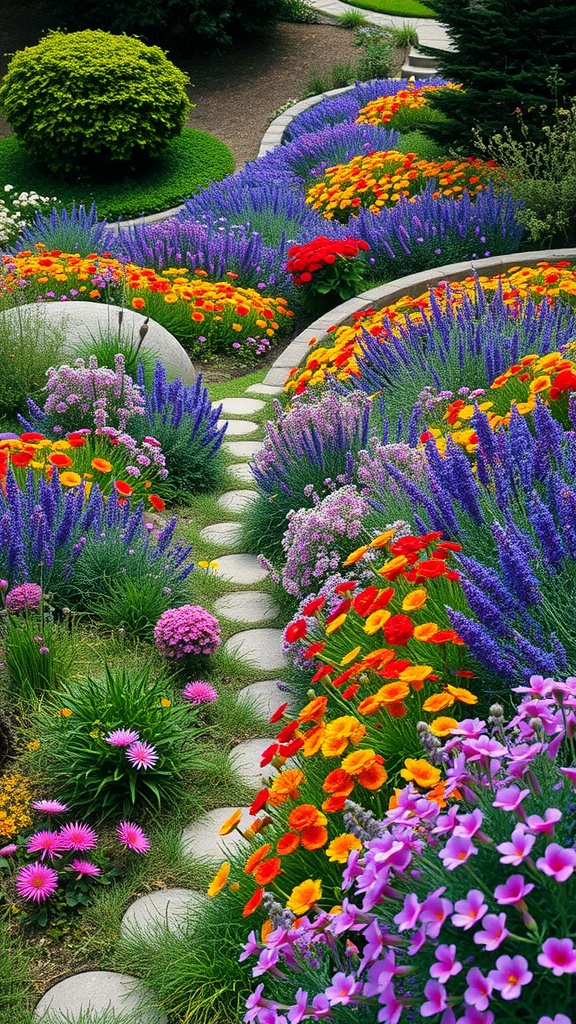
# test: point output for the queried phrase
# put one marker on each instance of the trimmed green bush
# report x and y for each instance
(84, 97)
(189, 163)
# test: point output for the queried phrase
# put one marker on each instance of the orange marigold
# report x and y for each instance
(421, 772)
(340, 847)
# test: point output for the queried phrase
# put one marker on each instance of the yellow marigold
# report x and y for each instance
(230, 823)
(356, 555)
(350, 656)
(69, 479)
(438, 702)
(358, 761)
(420, 772)
(220, 879)
(285, 786)
(340, 847)
(416, 674)
(340, 733)
(425, 630)
(443, 725)
(304, 896)
(335, 624)
(15, 797)
(461, 694)
(416, 599)
(375, 621)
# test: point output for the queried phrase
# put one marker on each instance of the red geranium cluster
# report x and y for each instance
(305, 260)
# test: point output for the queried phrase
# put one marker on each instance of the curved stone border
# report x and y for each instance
(386, 294)
(274, 134)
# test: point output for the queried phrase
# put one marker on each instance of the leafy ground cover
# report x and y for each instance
(398, 8)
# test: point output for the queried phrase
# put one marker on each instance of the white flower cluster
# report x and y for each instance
(17, 210)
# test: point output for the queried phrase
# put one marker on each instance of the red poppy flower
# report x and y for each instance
(314, 649)
(268, 754)
(325, 670)
(277, 715)
(380, 602)
(253, 903)
(430, 568)
(60, 460)
(364, 599)
(260, 801)
(76, 440)
(266, 871)
(342, 609)
(289, 749)
(398, 630)
(21, 458)
(31, 437)
(288, 731)
(156, 502)
(295, 631)
(123, 488)
(287, 844)
(343, 588)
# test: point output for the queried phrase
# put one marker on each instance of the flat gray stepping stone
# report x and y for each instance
(168, 909)
(201, 839)
(260, 648)
(246, 760)
(99, 991)
(222, 533)
(264, 697)
(242, 449)
(247, 606)
(235, 501)
(241, 569)
(241, 406)
(242, 472)
(237, 427)
(263, 389)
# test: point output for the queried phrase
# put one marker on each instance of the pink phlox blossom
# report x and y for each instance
(483, 748)
(349, 919)
(392, 1008)
(493, 932)
(437, 999)
(266, 961)
(558, 862)
(559, 955)
(546, 824)
(469, 728)
(510, 798)
(518, 848)
(446, 966)
(457, 851)
(434, 912)
(469, 910)
(513, 890)
(250, 947)
(469, 824)
(418, 940)
(408, 916)
(343, 989)
(570, 773)
(446, 822)
(479, 989)
(510, 976)
(300, 1010)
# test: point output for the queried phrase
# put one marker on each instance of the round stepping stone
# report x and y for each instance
(97, 991)
(241, 569)
(201, 839)
(237, 427)
(260, 648)
(235, 501)
(247, 606)
(263, 389)
(240, 406)
(242, 449)
(242, 472)
(222, 533)
(265, 697)
(246, 760)
(168, 909)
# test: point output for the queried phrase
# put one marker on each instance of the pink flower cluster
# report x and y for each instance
(26, 597)
(459, 910)
(189, 629)
(139, 753)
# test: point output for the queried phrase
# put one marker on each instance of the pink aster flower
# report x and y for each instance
(141, 755)
(457, 851)
(479, 989)
(122, 737)
(77, 836)
(518, 848)
(133, 837)
(49, 806)
(559, 955)
(446, 966)
(434, 912)
(85, 867)
(8, 850)
(46, 843)
(558, 862)
(189, 629)
(513, 890)
(199, 692)
(36, 882)
(343, 988)
(436, 999)
(493, 932)
(408, 916)
(469, 910)
(510, 975)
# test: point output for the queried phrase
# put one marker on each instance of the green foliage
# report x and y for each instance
(506, 56)
(97, 777)
(297, 11)
(192, 469)
(197, 25)
(399, 8)
(542, 174)
(90, 96)
(115, 339)
(352, 19)
(188, 163)
(418, 142)
(38, 654)
(376, 60)
(405, 37)
(28, 347)
(14, 980)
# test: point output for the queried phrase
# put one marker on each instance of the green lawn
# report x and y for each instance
(397, 8)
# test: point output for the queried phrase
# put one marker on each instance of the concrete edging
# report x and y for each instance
(386, 294)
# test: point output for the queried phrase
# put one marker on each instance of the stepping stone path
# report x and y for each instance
(99, 991)
(246, 606)
(265, 696)
(240, 406)
(170, 910)
(235, 501)
(259, 648)
(241, 569)
(242, 449)
(202, 840)
(222, 533)
(237, 427)
(242, 472)
(246, 760)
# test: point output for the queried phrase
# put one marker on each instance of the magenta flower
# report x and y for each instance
(493, 932)
(437, 1000)
(468, 824)
(189, 629)
(8, 850)
(85, 867)
(26, 597)
(47, 842)
(557, 862)
(510, 975)
(446, 966)
(36, 882)
(199, 692)
(559, 955)
(122, 737)
(513, 890)
(408, 916)
(457, 851)
(133, 837)
(479, 990)
(518, 848)
(469, 910)
(560, 1018)
(141, 755)
(342, 989)
(509, 798)
(546, 824)
(49, 806)
(434, 912)
(77, 836)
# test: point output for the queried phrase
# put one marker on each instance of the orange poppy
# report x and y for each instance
(256, 857)
(253, 903)
(60, 460)
(287, 843)
(102, 465)
(314, 837)
(156, 502)
(267, 870)
(123, 488)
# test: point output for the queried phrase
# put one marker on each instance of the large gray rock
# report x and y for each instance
(97, 991)
(81, 322)
(173, 910)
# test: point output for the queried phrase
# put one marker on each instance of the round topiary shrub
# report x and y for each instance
(91, 98)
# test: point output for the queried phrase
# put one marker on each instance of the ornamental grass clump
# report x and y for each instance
(463, 909)
(77, 230)
(118, 742)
